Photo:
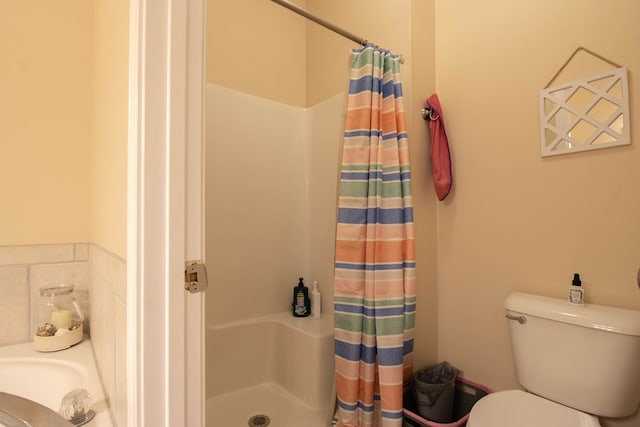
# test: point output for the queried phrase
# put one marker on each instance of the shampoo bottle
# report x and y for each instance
(316, 301)
(301, 303)
(576, 291)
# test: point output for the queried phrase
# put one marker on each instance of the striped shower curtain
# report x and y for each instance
(375, 262)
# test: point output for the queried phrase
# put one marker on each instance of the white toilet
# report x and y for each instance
(575, 363)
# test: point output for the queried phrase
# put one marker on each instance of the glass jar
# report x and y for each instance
(59, 319)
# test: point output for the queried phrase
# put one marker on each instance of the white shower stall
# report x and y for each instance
(271, 186)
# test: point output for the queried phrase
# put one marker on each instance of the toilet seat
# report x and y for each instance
(516, 408)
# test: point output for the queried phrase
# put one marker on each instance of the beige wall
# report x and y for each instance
(256, 47)
(109, 126)
(422, 68)
(63, 122)
(107, 257)
(63, 126)
(45, 82)
(328, 59)
(514, 220)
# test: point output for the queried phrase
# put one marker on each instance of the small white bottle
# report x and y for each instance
(316, 301)
(576, 291)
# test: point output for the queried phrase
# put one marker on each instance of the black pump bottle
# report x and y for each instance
(301, 303)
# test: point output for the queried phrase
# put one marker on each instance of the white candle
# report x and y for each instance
(61, 319)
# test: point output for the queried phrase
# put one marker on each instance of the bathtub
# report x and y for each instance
(279, 366)
(47, 377)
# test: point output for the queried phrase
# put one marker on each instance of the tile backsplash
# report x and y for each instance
(99, 279)
(107, 305)
(24, 270)
(14, 304)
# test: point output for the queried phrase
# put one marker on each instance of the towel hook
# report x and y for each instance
(429, 114)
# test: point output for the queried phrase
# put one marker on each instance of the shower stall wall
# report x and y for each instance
(271, 172)
(271, 181)
(276, 366)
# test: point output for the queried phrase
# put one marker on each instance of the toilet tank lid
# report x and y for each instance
(610, 319)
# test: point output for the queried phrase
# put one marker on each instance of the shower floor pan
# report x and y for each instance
(234, 409)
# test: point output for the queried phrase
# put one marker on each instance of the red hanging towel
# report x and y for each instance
(440, 157)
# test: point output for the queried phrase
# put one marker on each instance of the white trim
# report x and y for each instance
(175, 297)
(195, 229)
(162, 91)
(134, 234)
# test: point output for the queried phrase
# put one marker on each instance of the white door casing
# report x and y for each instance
(165, 351)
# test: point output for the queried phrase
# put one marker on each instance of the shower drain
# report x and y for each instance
(259, 421)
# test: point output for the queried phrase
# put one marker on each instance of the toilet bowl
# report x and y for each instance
(575, 363)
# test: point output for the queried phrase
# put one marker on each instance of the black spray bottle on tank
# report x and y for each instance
(301, 302)
(576, 291)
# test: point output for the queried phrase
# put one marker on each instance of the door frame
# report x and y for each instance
(165, 324)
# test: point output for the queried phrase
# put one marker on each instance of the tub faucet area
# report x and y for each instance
(75, 407)
(61, 388)
(16, 411)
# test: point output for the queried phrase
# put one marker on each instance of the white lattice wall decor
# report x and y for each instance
(585, 114)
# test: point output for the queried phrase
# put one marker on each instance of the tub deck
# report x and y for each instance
(43, 388)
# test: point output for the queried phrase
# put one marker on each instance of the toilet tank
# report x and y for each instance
(586, 357)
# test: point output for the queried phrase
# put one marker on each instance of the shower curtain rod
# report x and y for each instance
(344, 33)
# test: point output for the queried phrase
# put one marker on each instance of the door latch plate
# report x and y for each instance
(195, 277)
